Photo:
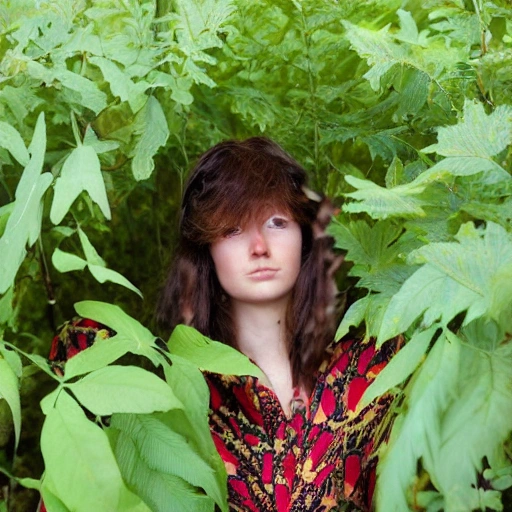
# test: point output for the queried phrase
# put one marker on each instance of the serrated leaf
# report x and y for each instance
(11, 140)
(168, 452)
(381, 203)
(401, 366)
(124, 389)
(9, 391)
(456, 276)
(478, 134)
(210, 355)
(81, 172)
(79, 462)
(163, 493)
(154, 135)
(408, 32)
(416, 432)
(24, 223)
(476, 424)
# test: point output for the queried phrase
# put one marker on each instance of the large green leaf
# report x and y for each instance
(80, 464)
(81, 172)
(210, 355)
(154, 135)
(381, 203)
(124, 389)
(455, 276)
(24, 223)
(9, 391)
(163, 492)
(416, 432)
(170, 453)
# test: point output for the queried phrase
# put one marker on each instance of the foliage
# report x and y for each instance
(401, 112)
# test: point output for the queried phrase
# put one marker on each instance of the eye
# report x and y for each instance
(277, 222)
(232, 232)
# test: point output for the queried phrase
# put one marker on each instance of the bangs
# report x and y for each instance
(236, 183)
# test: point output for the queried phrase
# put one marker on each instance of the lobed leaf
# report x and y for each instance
(11, 140)
(9, 391)
(81, 172)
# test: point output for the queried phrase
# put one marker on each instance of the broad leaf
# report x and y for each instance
(381, 203)
(401, 366)
(80, 464)
(161, 491)
(169, 453)
(154, 135)
(24, 223)
(210, 355)
(456, 276)
(81, 172)
(124, 389)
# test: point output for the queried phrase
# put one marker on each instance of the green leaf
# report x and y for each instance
(11, 140)
(67, 262)
(210, 355)
(416, 432)
(456, 276)
(81, 171)
(155, 134)
(163, 492)
(124, 389)
(24, 223)
(477, 135)
(401, 366)
(9, 391)
(6, 308)
(477, 423)
(103, 352)
(168, 452)
(102, 274)
(100, 146)
(121, 84)
(79, 463)
(381, 203)
(129, 331)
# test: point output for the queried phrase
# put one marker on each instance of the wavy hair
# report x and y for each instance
(233, 183)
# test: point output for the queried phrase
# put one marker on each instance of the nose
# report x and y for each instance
(258, 243)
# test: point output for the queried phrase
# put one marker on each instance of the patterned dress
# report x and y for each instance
(321, 459)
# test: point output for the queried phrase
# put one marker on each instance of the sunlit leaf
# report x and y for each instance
(11, 140)
(9, 391)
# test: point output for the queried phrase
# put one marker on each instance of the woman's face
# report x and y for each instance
(260, 263)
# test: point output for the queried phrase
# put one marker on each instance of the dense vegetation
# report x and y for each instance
(400, 110)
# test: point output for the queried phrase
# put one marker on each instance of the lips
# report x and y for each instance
(263, 273)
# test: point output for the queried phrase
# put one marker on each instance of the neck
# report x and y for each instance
(261, 332)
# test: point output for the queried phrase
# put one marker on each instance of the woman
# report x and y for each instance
(254, 269)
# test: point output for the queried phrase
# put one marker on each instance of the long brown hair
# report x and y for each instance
(232, 183)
